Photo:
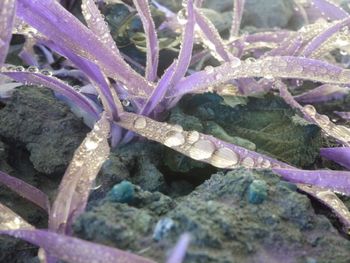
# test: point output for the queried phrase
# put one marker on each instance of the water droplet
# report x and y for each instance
(46, 72)
(266, 164)
(250, 60)
(91, 144)
(310, 110)
(235, 62)
(33, 69)
(140, 123)
(126, 103)
(174, 138)
(202, 149)
(192, 137)
(177, 128)
(209, 69)
(19, 69)
(224, 157)
(323, 120)
(248, 162)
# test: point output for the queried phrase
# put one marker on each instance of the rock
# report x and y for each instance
(224, 220)
(257, 192)
(122, 192)
(268, 13)
(47, 128)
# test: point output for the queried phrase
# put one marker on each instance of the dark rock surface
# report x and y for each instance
(47, 128)
(225, 225)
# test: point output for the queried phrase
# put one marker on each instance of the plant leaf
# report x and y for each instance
(238, 7)
(34, 77)
(7, 17)
(78, 179)
(73, 249)
(151, 39)
(338, 181)
(339, 155)
(66, 31)
(25, 190)
(9, 220)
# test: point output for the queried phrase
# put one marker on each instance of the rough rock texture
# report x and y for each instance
(224, 219)
(47, 128)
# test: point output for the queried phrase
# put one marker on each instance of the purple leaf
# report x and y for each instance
(75, 250)
(34, 77)
(93, 73)
(323, 8)
(269, 67)
(97, 24)
(339, 132)
(196, 145)
(66, 31)
(78, 179)
(288, 47)
(184, 58)
(331, 200)
(9, 220)
(337, 181)
(311, 49)
(7, 17)
(343, 114)
(179, 252)
(322, 93)
(25, 190)
(211, 37)
(238, 7)
(339, 155)
(151, 39)
(160, 91)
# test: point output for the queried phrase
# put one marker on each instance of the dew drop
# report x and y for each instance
(174, 138)
(202, 149)
(19, 69)
(33, 69)
(91, 145)
(323, 120)
(310, 110)
(177, 128)
(192, 137)
(46, 72)
(224, 157)
(266, 164)
(235, 62)
(248, 162)
(126, 103)
(209, 69)
(140, 123)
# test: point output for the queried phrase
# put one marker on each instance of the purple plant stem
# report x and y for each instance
(7, 17)
(338, 181)
(25, 190)
(151, 39)
(238, 7)
(75, 250)
(324, 8)
(56, 85)
(339, 155)
(321, 38)
(322, 93)
(179, 252)
(65, 30)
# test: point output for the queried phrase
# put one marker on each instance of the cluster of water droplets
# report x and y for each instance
(198, 146)
(339, 132)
